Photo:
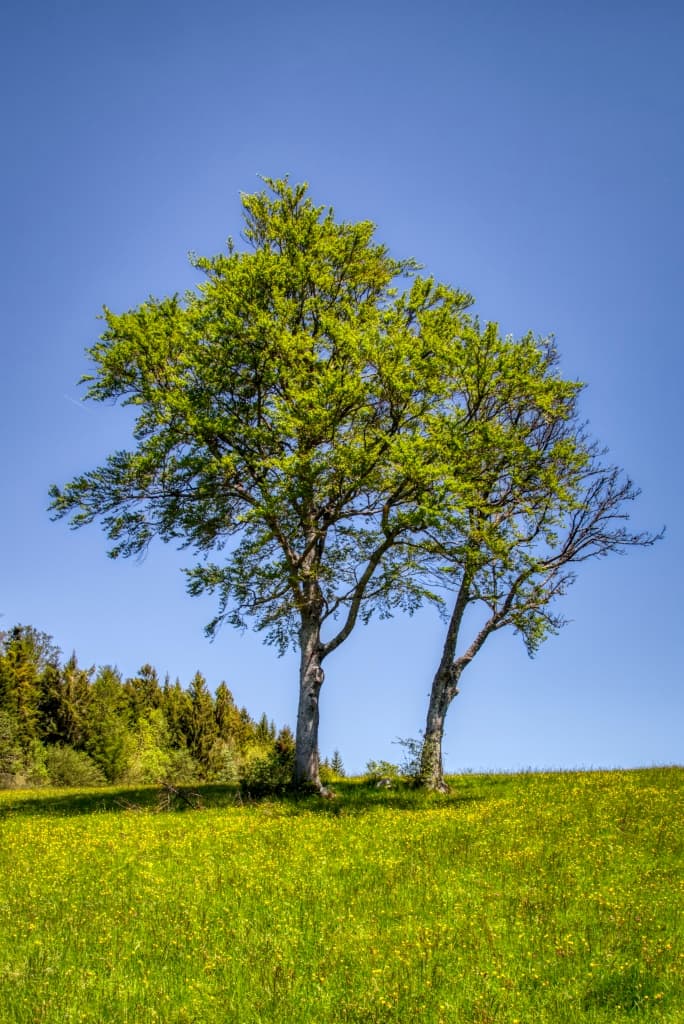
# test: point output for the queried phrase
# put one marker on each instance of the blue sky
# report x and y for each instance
(530, 153)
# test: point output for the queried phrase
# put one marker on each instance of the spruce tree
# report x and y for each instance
(336, 765)
(202, 729)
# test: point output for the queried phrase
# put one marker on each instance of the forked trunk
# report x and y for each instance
(311, 677)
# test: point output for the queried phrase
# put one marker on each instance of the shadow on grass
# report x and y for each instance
(352, 796)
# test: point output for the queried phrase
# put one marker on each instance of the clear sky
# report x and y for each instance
(530, 153)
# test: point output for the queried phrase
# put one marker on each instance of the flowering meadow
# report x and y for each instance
(528, 899)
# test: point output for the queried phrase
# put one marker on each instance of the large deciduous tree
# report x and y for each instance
(538, 499)
(287, 430)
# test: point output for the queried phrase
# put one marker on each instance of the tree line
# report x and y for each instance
(335, 437)
(68, 725)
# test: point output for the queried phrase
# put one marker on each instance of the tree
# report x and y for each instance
(176, 706)
(284, 421)
(110, 742)
(64, 706)
(201, 729)
(25, 655)
(11, 757)
(541, 502)
(337, 765)
(143, 694)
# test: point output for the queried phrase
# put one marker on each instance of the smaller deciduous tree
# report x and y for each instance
(541, 500)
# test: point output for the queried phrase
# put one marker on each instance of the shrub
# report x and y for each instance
(376, 770)
(270, 769)
(183, 769)
(222, 763)
(410, 763)
(69, 767)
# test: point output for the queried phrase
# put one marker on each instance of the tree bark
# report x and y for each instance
(431, 768)
(444, 689)
(311, 677)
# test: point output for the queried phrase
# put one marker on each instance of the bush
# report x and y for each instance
(35, 764)
(325, 772)
(69, 767)
(410, 764)
(150, 760)
(270, 769)
(222, 763)
(183, 769)
(376, 770)
(19, 765)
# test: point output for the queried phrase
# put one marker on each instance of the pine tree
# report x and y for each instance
(229, 722)
(265, 731)
(143, 694)
(336, 765)
(176, 705)
(11, 759)
(26, 655)
(64, 706)
(110, 742)
(202, 729)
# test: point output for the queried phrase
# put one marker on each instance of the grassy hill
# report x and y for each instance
(529, 899)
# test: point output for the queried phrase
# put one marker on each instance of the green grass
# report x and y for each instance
(539, 899)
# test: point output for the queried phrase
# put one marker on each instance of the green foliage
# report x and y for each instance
(201, 728)
(234, 725)
(378, 770)
(133, 731)
(143, 693)
(182, 768)
(269, 767)
(69, 767)
(281, 402)
(25, 656)
(152, 757)
(35, 770)
(223, 764)
(110, 741)
(337, 765)
(177, 708)
(64, 706)
(325, 772)
(11, 757)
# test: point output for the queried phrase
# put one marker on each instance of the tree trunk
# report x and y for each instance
(431, 769)
(444, 689)
(311, 677)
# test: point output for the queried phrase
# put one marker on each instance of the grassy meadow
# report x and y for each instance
(528, 899)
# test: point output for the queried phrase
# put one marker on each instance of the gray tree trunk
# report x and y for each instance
(431, 768)
(311, 677)
(444, 689)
